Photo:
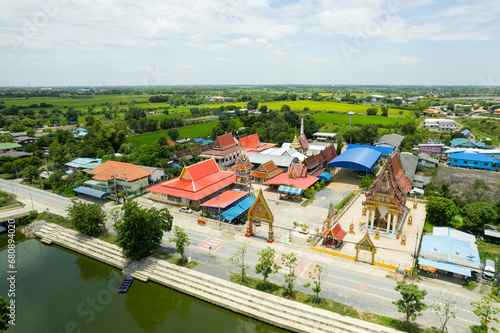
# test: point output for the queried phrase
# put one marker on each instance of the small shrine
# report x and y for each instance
(366, 244)
(260, 212)
(386, 198)
(333, 237)
(242, 170)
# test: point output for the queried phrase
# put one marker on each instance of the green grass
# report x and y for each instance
(193, 131)
(174, 259)
(344, 201)
(488, 250)
(60, 102)
(343, 119)
(317, 106)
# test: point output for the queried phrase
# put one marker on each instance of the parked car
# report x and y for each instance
(489, 269)
(186, 210)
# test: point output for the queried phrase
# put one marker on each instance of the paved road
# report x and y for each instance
(361, 285)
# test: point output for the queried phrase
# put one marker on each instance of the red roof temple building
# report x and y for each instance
(386, 199)
(196, 184)
(252, 144)
(225, 150)
(296, 177)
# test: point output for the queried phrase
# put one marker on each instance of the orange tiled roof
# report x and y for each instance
(106, 171)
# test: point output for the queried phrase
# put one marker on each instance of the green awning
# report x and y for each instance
(290, 190)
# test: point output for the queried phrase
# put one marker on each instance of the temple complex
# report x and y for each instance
(385, 201)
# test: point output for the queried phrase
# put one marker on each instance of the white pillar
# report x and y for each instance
(389, 220)
(395, 221)
(368, 212)
(373, 219)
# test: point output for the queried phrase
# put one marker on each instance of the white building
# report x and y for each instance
(440, 124)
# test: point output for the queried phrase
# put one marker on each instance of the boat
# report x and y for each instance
(127, 281)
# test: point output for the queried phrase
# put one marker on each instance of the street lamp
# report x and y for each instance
(350, 119)
(218, 198)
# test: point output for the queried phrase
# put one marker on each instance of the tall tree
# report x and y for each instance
(238, 259)
(368, 133)
(371, 111)
(140, 230)
(320, 273)
(173, 133)
(445, 311)
(440, 211)
(385, 110)
(181, 240)
(477, 214)
(486, 312)
(411, 303)
(290, 261)
(266, 265)
(87, 218)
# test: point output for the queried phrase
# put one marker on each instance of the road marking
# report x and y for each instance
(361, 287)
(212, 243)
(305, 268)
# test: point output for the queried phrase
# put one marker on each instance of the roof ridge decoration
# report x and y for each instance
(366, 243)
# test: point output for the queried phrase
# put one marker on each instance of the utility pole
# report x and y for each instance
(114, 186)
(414, 256)
(32, 205)
(218, 198)
(15, 168)
(47, 166)
(126, 185)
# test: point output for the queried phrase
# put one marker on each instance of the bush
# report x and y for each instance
(344, 201)
(25, 220)
(366, 181)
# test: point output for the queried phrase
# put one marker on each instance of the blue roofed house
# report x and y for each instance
(474, 161)
(449, 250)
(386, 151)
(84, 164)
(469, 135)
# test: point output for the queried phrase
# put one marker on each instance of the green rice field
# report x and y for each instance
(318, 106)
(193, 131)
(343, 119)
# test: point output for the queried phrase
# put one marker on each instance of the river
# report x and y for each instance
(58, 291)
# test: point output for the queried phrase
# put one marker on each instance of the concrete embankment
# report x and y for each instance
(293, 316)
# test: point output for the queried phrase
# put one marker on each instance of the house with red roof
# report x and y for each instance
(196, 184)
(113, 176)
(295, 177)
(224, 150)
(252, 144)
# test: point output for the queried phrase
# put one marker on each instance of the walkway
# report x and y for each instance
(268, 308)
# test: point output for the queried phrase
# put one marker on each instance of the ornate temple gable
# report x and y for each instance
(366, 243)
(392, 180)
(185, 174)
(242, 163)
(260, 210)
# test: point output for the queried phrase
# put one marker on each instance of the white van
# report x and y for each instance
(489, 269)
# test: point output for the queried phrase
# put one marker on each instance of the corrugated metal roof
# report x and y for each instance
(357, 158)
(382, 150)
(281, 161)
(474, 157)
(90, 191)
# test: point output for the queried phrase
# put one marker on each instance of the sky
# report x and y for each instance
(203, 42)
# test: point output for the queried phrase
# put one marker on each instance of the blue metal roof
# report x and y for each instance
(474, 157)
(450, 254)
(465, 132)
(357, 158)
(208, 141)
(237, 209)
(383, 150)
(445, 267)
(198, 140)
(325, 176)
(92, 192)
(290, 190)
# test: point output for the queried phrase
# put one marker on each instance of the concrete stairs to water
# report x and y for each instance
(86, 245)
(268, 308)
